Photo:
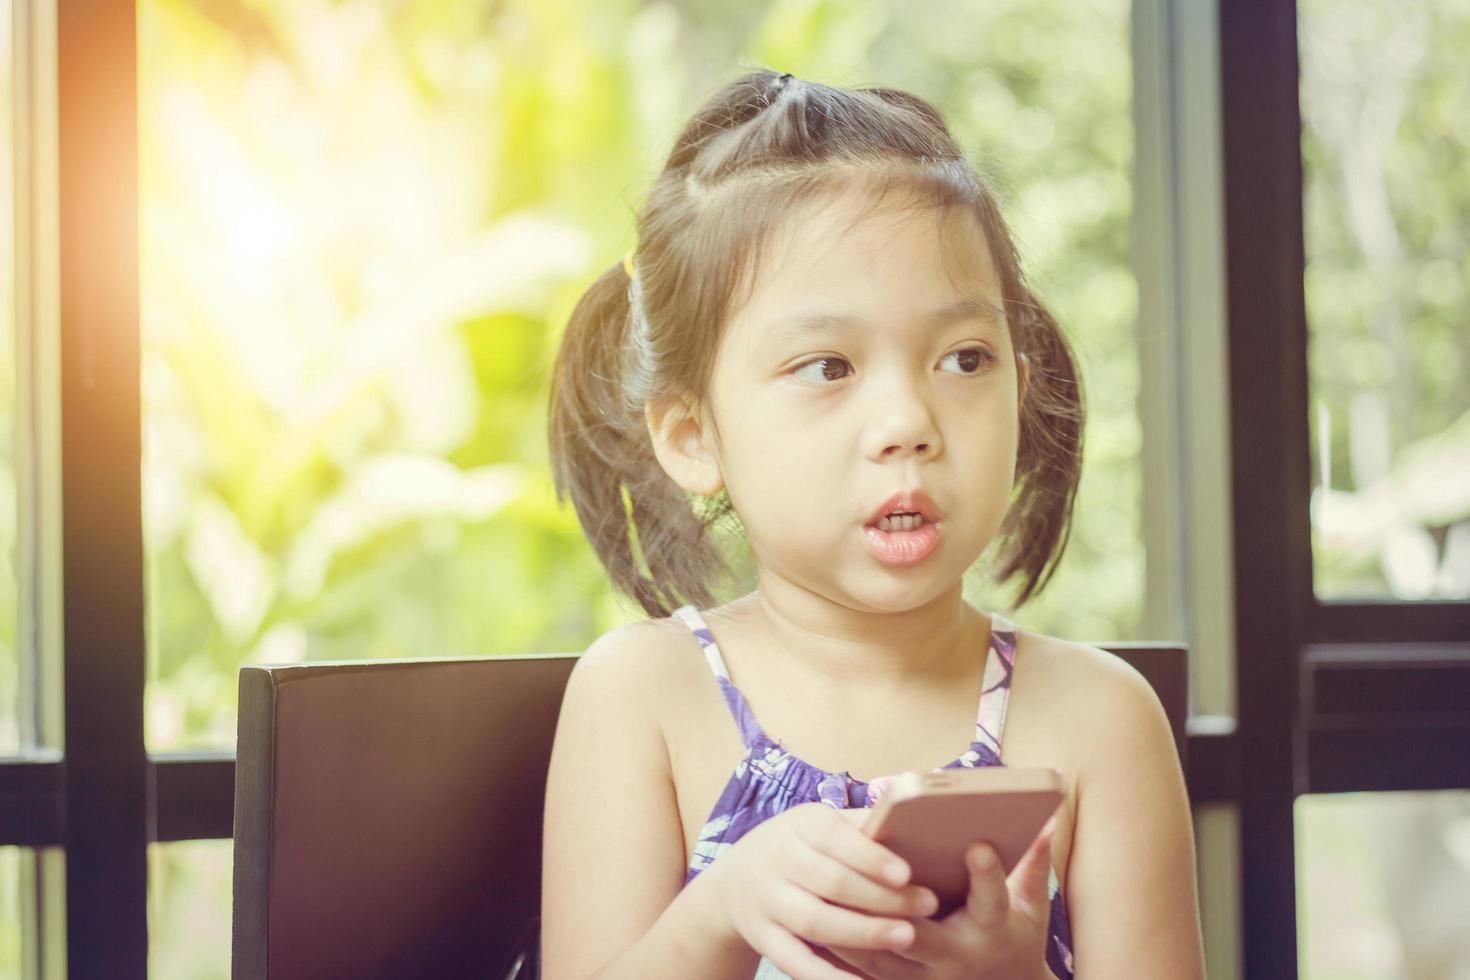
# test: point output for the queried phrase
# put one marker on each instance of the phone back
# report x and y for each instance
(930, 819)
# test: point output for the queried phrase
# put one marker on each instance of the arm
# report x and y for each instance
(1131, 893)
(612, 860)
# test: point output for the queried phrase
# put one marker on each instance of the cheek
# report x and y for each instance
(988, 430)
(792, 481)
(771, 433)
(797, 474)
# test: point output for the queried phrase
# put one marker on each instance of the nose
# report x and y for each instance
(904, 424)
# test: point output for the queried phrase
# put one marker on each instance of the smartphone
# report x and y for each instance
(930, 818)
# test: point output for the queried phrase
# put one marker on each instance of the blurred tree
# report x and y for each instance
(1387, 210)
(363, 227)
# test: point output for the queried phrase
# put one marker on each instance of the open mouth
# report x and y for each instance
(904, 541)
(901, 522)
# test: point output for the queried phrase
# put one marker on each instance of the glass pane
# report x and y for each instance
(1387, 212)
(1383, 885)
(363, 227)
(189, 908)
(17, 909)
(11, 669)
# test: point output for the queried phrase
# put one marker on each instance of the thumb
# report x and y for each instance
(1030, 880)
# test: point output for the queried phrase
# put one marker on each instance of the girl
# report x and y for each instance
(824, 327)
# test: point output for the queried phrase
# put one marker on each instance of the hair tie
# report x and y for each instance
(628, 264)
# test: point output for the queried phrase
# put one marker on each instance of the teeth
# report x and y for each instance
(905, 523)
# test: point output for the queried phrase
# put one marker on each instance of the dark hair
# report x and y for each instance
(759, 146)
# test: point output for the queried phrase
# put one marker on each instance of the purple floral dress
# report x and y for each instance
(770, 779)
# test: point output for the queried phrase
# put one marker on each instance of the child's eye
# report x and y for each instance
(819, 360)
(979, 358)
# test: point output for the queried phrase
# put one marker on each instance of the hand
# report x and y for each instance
(998, 934)
(810, 873)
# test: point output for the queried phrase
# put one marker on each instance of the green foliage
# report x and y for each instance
(363, 230)
(364, 227)
(1386, 169)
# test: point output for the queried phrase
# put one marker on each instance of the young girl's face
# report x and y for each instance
(911, 384)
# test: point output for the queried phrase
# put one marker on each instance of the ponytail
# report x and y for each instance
(1048, 457)
(602, 458)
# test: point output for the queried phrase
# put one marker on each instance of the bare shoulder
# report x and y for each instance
(1084, 683)
(615, 697)
(1082, 709)
(653, 670)
(642, 664)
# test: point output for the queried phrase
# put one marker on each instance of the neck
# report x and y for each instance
(855, 648)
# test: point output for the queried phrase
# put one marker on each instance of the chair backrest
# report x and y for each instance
(388, 813)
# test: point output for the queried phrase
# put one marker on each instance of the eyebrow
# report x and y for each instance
(965, 308)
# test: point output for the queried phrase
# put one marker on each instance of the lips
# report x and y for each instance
(906, 502)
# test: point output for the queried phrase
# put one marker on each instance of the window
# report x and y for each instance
(362, 227)
(1387, 205)
(358, 231)
(14, 670)
(1383, 884)
(1346, 689)
(12, 909)
(189, 906)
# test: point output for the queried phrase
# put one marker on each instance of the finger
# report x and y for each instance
(1029, 880)
(837, 835)
(843, 839)
(822, 874)
(933, 945)
(807, 916)
(988, 902)
(880, 966)
(795, 958)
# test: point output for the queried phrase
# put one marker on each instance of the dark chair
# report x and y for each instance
(388, 813)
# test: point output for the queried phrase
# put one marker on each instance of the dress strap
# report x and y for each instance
(990, 715)
(995, 690)
(750, 731)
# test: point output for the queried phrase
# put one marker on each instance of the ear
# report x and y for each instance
(1023, 371)
(682, 443)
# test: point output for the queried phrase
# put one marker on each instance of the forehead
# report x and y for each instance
(846, 250)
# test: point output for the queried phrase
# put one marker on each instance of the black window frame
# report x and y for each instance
(1369, 695)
